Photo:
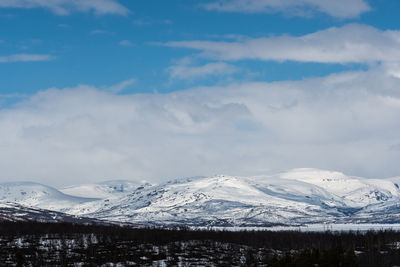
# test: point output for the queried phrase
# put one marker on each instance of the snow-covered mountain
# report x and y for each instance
(300, 196)
(13, 212)
(40, 196)
(218, 200)
(103, 190)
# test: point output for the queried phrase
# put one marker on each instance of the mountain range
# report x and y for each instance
(296, 197)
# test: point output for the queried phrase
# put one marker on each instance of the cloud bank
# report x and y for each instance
(347, 122)
(303, 8)
(66, 7)
(353, 43)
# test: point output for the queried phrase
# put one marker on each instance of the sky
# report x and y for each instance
(94, 90)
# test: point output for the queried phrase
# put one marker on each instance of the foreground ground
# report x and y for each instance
(63, 244)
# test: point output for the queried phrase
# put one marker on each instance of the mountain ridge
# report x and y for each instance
(295, 197)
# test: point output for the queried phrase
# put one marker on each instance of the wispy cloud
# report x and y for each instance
(304, 8)
(150, 21)
(117, 88)
(15, 95)
(352, 43)
(99, 32)
(126, 43)
(25, 58)
(185, 71)
(66, 7)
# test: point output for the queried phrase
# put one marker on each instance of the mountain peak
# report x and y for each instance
(294, 197)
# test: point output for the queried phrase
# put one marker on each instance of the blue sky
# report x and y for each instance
(230, 86)
(86, 47)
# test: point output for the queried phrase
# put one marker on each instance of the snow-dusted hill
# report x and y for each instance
(300, 196)
(37, 195)
(219, 200)
(295, 197)
(354, 191)
(107, 189)
(13, 212)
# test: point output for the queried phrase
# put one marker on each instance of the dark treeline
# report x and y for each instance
(282, 240)
(65, 243)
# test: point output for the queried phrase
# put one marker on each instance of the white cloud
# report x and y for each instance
(66, 7)
(13, 95)
(150, 21)
(126, 43)
(346, 122)
(25, 58)
(185, 71)
(121, 86)
(335, 8)
(352, 43)
(98, 32)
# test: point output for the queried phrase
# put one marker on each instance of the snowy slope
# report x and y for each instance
(13, 212)
(300, 196)
(354, 191)
(40, 196)
(295, 197)
(221, 200)
(104, 190)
